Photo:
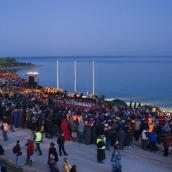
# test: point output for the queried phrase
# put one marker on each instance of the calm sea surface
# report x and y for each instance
(144, 79)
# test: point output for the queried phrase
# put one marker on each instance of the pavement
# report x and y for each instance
(84, 156)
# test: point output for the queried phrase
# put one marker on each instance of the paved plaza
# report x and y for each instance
(84, 156)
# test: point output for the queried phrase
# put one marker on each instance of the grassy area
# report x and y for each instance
(10, 167)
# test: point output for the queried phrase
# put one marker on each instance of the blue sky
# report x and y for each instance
(85, 27)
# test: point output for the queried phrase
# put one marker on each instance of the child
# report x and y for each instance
(4, 129)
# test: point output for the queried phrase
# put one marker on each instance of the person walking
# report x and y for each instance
(38, 139)
(60, 142)
(100, 149)
(66, 166)
(52, 150)
(18, 152)
(116, 160)
(30, 152)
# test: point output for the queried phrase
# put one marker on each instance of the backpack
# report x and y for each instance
(15, 149)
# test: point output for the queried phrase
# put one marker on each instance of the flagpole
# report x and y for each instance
(57, 75)
(93, 78)
(75, 76)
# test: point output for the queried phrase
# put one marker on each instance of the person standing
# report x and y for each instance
(81, 131)
(49, 127)
(144, 139)
(11, 121)
(4, 129)
(116, 160)
(152, 141)
(121, 135)
(16, 118)
(137, 127)
(32, 127)
(166, 143)
(28, 118)
(30, 152)
(87, 133)
(74, 168)
(66, 166)
(108, 134)
(18, 152)
(38, 139)
(21, 117)
(60, 142)
(100, 149)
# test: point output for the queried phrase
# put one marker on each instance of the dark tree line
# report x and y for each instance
(11, 62)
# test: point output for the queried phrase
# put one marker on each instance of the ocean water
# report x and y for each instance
(140, 79)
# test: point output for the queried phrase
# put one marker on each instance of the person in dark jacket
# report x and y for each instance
(49, 128)
(108, 134)
(52, 150)
(21, 117)
(11, 121)
(93, 132)
(74, 168)
(16, 118)
(60, 142)
(33, 127)
(87, 133)
(121, 136)
(18, 153)
(166, 143)
(99, 129)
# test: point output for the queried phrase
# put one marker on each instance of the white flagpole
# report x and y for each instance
(75, 76)
(93, 77)
(57, 74)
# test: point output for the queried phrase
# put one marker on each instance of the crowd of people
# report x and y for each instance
(104, 127)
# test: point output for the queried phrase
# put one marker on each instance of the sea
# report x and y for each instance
(145, 79)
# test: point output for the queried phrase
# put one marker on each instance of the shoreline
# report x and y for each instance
(164, 109)
(19, 67)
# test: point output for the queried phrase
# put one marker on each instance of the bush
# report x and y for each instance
(117, 103)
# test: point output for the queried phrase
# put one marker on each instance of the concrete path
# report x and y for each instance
(84, 156)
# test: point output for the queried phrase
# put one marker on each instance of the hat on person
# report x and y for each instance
(52, 144)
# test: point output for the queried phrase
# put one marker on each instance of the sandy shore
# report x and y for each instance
(19, 67)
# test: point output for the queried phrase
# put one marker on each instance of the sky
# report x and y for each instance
(85, 28)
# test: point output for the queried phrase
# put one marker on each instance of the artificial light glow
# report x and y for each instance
(31, 73)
